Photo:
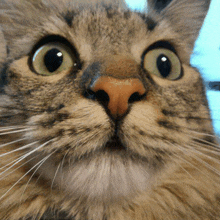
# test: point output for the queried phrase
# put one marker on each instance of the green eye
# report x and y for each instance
(53, 58)
(163, 63)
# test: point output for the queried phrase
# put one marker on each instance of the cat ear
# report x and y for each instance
(158, 5)
(186, 16)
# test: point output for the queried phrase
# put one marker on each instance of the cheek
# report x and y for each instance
(141, 124)
(153, 106)
(83, 124)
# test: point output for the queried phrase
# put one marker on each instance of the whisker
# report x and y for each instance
(205, 150)
(26, 155)
(193, 150)
(199, 151)
(192, 165)
(9, 161)
(23, 177)
(55, 175)
(40, 164)
(12, 132)
(19, 149)
(17, 168)
(181, 165)
(201, 133)
(15, 162)
(203, 142)
(11, 128)
(12, 142)
(62, 163)
(12, 162)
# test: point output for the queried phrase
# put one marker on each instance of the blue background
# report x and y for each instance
(206, 56)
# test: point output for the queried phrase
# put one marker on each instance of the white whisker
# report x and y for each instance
(210, 144)
(13, 132)
(196, 158)
(12, 162)
(23, 177)
(19, 149)
(17, 168)
(62, 164)
(25, 156)
(199, 151)
(41, 162)
(12, 142)
(207, 149)
(55, 175)
(29, 170)
(201, 133)
(180, 158)
(194, 151)
(9, 160)
(11, 128)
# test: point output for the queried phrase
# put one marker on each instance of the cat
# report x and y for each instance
(102, 116)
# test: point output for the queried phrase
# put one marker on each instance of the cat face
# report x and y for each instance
(100, 99)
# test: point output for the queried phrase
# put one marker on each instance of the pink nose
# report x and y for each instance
(119, 92)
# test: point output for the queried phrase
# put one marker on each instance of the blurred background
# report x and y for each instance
(206, 56)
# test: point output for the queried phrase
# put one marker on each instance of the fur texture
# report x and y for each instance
(64, 155)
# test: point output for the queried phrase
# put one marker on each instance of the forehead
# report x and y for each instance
(93, 30)
(103, 28)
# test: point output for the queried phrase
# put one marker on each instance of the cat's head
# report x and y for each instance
(104, 93)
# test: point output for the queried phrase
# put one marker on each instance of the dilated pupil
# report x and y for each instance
(164, 65)
(53, 59)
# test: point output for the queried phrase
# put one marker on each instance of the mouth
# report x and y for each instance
(115, 144)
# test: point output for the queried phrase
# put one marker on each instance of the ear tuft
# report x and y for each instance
(158, 5)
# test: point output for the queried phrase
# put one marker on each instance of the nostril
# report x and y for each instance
(102, 96)
(136, 97)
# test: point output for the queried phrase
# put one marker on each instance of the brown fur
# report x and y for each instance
(57, 154)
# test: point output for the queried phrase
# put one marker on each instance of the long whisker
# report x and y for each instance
(23, 177)
(201, 133)
(17, 168)
(199, 150)
(180, 164)
(19, 149)
(11, 128)
(192, 165)
(9, 161)
(55, 175)
(203, 142)
(62, 163)
(40, 164)
(13, 132)
(12, 142)
(194, 151)
(12, 162)
(26, 155)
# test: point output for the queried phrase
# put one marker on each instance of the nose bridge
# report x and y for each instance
(120, 66)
